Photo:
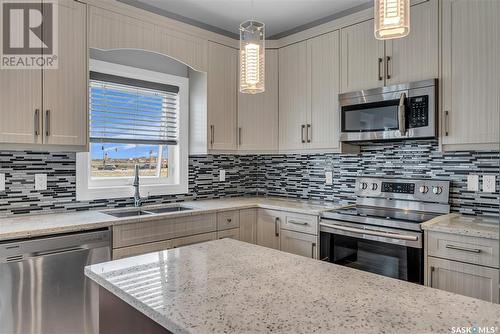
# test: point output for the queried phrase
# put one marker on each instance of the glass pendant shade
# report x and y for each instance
(392, 18)
(252, 57)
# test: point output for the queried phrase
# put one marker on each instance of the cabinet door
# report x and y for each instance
(65, 88)
(362, 58)
(248, 225)
(471, 70)
(233, 233)
(416, 56)
(293, 96)
(109, 30)
(464, 279)
(268, 228)
(258, 113)
(193, 239)
(324, 77)
(299, 243)
(20, 106)
(222, 97)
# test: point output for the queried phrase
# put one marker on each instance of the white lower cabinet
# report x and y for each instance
(248, 225)
(233, 233)
(193, 239)
(299, 243)
(268, 228)
(463, 278)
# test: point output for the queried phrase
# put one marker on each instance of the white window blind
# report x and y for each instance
(124, 110)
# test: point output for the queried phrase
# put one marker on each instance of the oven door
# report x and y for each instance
(384, 251)
(374, 117)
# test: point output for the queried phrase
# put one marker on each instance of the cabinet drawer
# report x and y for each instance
(299, 244)
(228, 220)
(300, 223)
(473, 250)
(162, 229)
(193, 239)
(120, 253)
(233, 233)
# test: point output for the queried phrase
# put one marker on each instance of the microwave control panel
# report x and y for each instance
(419, 111)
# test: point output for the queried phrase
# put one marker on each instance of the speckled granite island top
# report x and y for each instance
(228, 286)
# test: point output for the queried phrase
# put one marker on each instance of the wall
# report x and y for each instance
(295, 176)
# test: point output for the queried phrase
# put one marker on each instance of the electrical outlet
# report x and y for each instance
(489, 183)
(2, 182)
(473, 182)
(40, 181)
(222, 175)
(329, 178)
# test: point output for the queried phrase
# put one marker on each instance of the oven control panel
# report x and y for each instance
(421, 190)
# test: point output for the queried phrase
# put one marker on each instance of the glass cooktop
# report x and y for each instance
(386, 213)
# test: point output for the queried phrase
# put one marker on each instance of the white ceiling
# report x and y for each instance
(281, 17)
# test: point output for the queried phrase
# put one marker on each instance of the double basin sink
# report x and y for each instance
(145, 211)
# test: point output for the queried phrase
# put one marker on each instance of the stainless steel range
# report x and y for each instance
(381, 233)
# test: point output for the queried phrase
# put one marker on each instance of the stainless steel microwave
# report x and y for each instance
(401, 111)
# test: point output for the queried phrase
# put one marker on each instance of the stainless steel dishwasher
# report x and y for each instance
(43, 288)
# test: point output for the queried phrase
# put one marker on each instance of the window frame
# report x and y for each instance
(177, 182)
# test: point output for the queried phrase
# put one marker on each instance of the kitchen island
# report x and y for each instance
(228, 286)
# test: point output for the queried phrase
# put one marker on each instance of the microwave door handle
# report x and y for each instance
(402, 114)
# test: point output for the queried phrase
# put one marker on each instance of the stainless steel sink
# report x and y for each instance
(168, 209)
(145, 211)
(128, 213)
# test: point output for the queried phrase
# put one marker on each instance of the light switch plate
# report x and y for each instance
(2, 182)
(329, 178)
(473, 182)
(40, 181)
(222, 175)
(489, 183)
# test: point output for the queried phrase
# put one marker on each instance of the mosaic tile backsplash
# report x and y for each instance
(293, 176)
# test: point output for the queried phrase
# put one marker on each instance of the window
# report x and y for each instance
(136, 117)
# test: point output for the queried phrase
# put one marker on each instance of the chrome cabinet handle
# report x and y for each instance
(372, 232)
(312, 249)
(297, 222)
(239, 136)
(446, 122)
(211, 135)
(37, 122)
(276, 228)
(464, 249)
(47, 122)
(380, 78)
(309, 133)
(432, 276)
(401, 114)
(388, 75)
(302, 127)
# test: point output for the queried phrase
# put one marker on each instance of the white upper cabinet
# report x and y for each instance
(370, 63)
(362, 58)
(416, 56)
(324, 84)
(222, 97)
(293, 99)
(62, 117)
(65, 88)
(470, 77)
(20, 106)
(258, 113)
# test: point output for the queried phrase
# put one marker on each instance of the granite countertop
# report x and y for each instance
(28, 226)
(228, 286)
(483, 227)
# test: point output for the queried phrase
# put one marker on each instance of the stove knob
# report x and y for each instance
(423, 189)
(363, 185)
(374, 186)
(437, 190)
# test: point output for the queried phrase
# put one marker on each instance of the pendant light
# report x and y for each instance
(252, 57)
(392, 18)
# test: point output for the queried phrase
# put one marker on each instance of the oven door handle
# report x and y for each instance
(372, 232)
(402, 114)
